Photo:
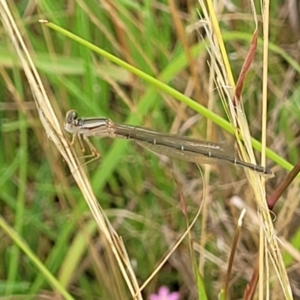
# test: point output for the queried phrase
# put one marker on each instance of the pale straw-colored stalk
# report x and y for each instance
(228, 90)
(53, 130)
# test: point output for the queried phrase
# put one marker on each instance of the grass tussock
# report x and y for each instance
(131, 222)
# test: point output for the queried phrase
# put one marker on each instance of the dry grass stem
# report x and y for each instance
(53, 130)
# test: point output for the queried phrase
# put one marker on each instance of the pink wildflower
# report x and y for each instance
(164, 294)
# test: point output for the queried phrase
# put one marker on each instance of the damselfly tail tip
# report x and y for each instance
(268, 174)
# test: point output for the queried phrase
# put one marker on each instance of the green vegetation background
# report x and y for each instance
(141, 193)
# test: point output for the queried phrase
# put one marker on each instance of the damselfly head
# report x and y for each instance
(71, 121)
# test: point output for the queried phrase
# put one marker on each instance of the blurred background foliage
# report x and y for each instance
(149, 199)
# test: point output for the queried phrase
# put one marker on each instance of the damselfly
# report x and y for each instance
(171, 145)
